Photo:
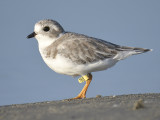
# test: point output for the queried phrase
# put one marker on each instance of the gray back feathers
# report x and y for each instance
(82, 49)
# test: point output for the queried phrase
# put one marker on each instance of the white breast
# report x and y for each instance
(63, 65)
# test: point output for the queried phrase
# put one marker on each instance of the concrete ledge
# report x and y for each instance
(123, 107)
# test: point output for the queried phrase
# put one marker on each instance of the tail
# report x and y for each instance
(140, 50)
(124, 52)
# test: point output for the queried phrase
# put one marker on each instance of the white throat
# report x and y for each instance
(45, 41)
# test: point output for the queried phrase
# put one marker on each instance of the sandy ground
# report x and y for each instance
(123, 107)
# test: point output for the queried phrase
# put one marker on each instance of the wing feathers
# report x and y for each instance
(82, 49)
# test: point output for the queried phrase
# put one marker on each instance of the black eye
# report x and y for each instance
(46, 28)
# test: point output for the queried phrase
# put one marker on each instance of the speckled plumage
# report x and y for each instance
(76, 54)
(82, 49)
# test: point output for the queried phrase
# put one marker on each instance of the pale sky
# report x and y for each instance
(25, 78)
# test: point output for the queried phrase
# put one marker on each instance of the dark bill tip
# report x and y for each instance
(31, 35)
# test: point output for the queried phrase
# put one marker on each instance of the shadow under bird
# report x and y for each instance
(77, 54)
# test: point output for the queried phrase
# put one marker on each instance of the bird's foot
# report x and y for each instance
(82, 96)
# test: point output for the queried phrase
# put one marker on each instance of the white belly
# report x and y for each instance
(63, 65)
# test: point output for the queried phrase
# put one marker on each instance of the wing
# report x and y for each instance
(82, 49)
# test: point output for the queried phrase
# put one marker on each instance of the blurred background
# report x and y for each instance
(25, 78)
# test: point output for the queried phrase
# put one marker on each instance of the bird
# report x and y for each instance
(75, 54)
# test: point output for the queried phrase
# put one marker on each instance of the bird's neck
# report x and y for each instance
(45, 41)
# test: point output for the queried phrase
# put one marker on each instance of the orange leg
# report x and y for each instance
(82, 94)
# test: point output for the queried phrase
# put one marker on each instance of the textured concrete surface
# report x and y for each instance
(124, 107)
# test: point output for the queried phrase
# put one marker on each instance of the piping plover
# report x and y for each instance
(77, 54)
